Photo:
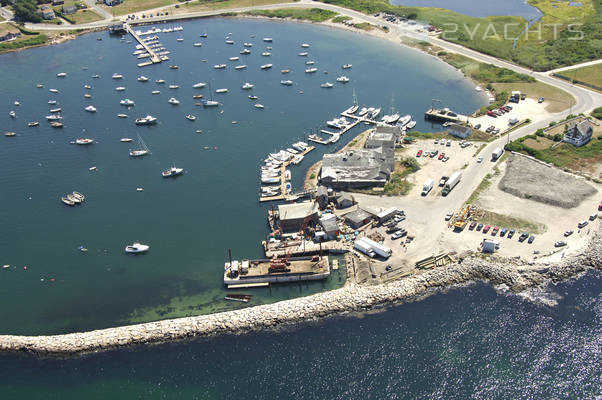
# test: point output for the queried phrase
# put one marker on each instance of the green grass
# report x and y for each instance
(132, 6)
(591, 74)
(597, 113)
(341, 18)
(221, 4)
(305, 14)
(484, 185)
(484, 73)
(398, 184)
(506, 221)
(24, 42)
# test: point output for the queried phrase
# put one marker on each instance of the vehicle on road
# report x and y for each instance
(593, 216)
(480, 159)
(441, 156)
(491, 114)
(477, 126)
(541, 99)
(400, 233)
(448, 216)
(560, 244)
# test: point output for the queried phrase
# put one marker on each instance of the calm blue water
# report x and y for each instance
(189, 222)
(479, 8)
(468, 343)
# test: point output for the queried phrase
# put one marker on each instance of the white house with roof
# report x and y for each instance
(579, 133)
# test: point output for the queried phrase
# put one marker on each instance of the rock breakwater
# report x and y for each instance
(515, 274)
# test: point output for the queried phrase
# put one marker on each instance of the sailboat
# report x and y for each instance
(353, 109)
(210, 103)
(142, 149)
(393, 117)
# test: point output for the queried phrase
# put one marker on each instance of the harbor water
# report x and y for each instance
(471, 342)
(481, 8)
(190, 222)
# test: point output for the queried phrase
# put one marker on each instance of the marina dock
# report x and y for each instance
(298, 248)
(283, 195)
(441, 115)
(153, 58)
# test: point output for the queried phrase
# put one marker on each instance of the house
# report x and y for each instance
(358, 218)
(112, 3)
(489, 246)
(579, 133)
(330, 226)
(9, 36)
(46, 13)
(69, 10)
(298, 216)
(344, 200)
(459, 131)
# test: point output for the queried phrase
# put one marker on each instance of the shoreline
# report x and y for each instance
(516, 275)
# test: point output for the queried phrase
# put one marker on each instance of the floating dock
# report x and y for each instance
(283, 195)
(154, 58)
(276, 271)
(441, 115)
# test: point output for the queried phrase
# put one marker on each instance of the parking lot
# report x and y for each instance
(527, 108)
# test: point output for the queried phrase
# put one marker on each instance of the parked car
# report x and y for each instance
(436, 141)
(541, 100)
(486, 228)
(582, 224)
(448, 216)
(477, 126)
(508, 106)
(501, 109)
(400, 233)
(593, 216)
(479, 227)
(419, 153)
(568, 233)
(480, 159)
(495, 230)
(503, 232)
(441, 156)
(511, 233)
(472, 225)
(559, 244)
(523, 236)
(491, 114)
(495, 131)
(600, 207)
(531, 239)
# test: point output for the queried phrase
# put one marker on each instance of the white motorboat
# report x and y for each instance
(173, 67)
(266, 66)
(127, 102)
(87, 95)
(61, 74)
(245, 51)
(171, 172)
(352, 109)
(240, 66)
(347, 66)
(142, 78)
(87, 87)
(120, 88)
(363, 112)
(311, 70)
(285, 71)
(310, 62)
(197, 44)
(233, 58)
(33, 123)
(54, 117)
(260, 106)
(222, 90)
(136, 247)
(410, 125)
(91, 109)
(375, 113)
(51, 101)
(148, 120)
(229, 41)
(84, 141)
(173, 87)
(53, 90)
(12, 114)
(126, 140)
(122, 115)
(180, 39)
(305, 45)
(56, 110)
(117, 76)
(403, 121)
(219, 66)
(173, 100)
(66, 201)
(267, 39)
(247, 86)
(160, 81)
(304, 54)
(96, 76)
(248, 44)
(191, 117)
(292, 151)
(253, 97)
(39, 86)
(342, 79)
(266, 54)
(327, 85)
(286, 83)
(199, 85)
(142, 149)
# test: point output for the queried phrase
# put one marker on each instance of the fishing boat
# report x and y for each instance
(171, 172)
(326, 85)
(342, 79)
(148, 120)
(34, 123)
(223, 90)
(199, 85)
(260, 106)
(136, 247)
(56, 124)
(253, 97)
(61, 75)
(90, 108)
(240, 66)
(142, 78)
(266, 66)
(286, 83)
(122, 115)
(191, 117)
(127, 102)
(173, 100)
(159, 81)
(120, 88)
(116, 76)
(346, 66)
(142, 149)
(84, 141)
(66, 201)
(311, 70)
(247, 86)
(12, 114)
(233, 58)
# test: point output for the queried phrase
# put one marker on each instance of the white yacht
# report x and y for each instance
(342, 79)
(304, 54)
(56, 110)
(266, 66)
(91, 109)
(127, 102)
(311, 70)
(142, 78)
(266, 54)
(197, 44)
(120, 89)
(327, 85)
(209, 103)
(126, 140)
(84, 141)
(233, 58)
(142, 149)
(122, 115)
(173, 171)
(229, 41)
(180, 39)
(173, 100)
(240, 66)
(286, 83)
(305, 45)
(148, 120)
(61, 74)
(247, 86)
(155, 92)
(199, 85)
(219, 66)
(267, 39)
(260, 106)
(53, 90)
(136, 247)
(410, 125)
(117, 76)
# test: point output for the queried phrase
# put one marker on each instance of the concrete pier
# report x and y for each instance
(154, 58)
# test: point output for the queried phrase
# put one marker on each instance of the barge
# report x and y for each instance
(276, 270)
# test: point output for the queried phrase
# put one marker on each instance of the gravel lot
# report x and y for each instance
(529, 179)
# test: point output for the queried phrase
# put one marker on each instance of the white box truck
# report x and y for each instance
(497, 153)
(451, 183)
(359, 245)
(428, 185)
(378, 248)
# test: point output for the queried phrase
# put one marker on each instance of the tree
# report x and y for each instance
(26, 10)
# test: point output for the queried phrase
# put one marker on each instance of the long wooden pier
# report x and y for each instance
(154, 57)
(283, 195)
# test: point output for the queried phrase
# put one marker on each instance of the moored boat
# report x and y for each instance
(136, 247)
(171, 172)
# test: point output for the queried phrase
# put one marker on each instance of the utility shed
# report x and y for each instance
(297, 216)
(460, 131)
(330, 225)
(358, 218)
(345, 200)
(488, 246)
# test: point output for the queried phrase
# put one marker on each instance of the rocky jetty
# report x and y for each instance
(515, 274)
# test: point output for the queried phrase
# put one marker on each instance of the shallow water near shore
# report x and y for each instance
(190, 222)
(469, 342)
